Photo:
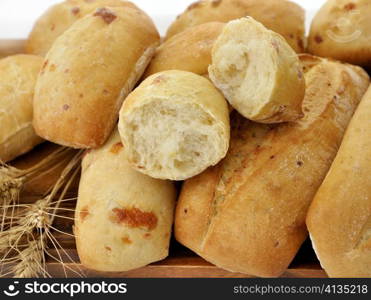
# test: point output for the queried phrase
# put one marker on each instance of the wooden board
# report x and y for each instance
(181, 261)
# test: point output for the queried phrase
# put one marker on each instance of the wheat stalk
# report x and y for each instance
(29, 227)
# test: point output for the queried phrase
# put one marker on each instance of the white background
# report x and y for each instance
(18, 16)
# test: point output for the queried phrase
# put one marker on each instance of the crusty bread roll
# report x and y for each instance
(175, 125)
(189, 50)
(282, 16)
(342, 29)
(123, 218)
(247, 214)
(87, 74)
(258, 72)
(61, 16)
(18, 75)
(339, 219)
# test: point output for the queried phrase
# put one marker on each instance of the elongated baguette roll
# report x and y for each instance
(258, 72)
(281, 16)
(18, 75)
(247, 214)
(123, 218)
(87, 74)
(175, 125)
(61, 16)
(341, 30)
(189, 50)
(339, 219)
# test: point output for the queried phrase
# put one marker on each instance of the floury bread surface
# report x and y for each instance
(123, 218)
(189, 50)
(87, 74)
(282, 16)
(258, 72)
(339, 219)
(175, 124)
(18, 75)
(247, 214)
(58, 18)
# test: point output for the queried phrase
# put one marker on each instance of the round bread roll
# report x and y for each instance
(342, 30)
(123, 218)
(258, 72)
(87, 74)
(189, 50)
(18, 75)
(175, 125)
(282, 16)
(60, 17)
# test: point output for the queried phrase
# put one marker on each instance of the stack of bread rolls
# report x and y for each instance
(225, 103)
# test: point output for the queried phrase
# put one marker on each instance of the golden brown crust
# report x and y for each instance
(190, 50)
(18, 75)
(88, 73)
(282, 16)
(252, 214)
(339, 219)
(59, 18)
(119, 225)
(341, 30)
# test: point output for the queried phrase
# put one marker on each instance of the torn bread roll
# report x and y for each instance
(18, 76)
(258, 72)
(247, 214)
(87, 74)
(339, 219)
(60, 17)
(341, 29)
(189, 50)
(282, 16)
(123, 218)
(175, 125)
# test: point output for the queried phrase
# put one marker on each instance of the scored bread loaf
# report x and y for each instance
(247, 214)
(282, 16)
(18, 75)
(339, 219)
(87, 74)
(175, 125)
(123, 218)
(341, 30)
(61, 16)
(189, 50)
(258, 72)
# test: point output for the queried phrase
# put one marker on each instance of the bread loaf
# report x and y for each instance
(247, 214)
(61, 16)
(281, 16)
(339, 219)
(175, 125)
(341, 30)
(88, 73)
(123, 218)
(18, 75)
(189, 50)
(258, 72)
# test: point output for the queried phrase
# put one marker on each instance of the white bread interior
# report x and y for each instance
(175, 125)
(258, 72)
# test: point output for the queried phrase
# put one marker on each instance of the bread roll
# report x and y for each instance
(18, 75)
(88, 73)
(339, 219)
(175, 125)
(258, 72)
(123, 218)
(281, 16)
(247, 214)
(189, 50)
(61, 16)
(342, 29)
